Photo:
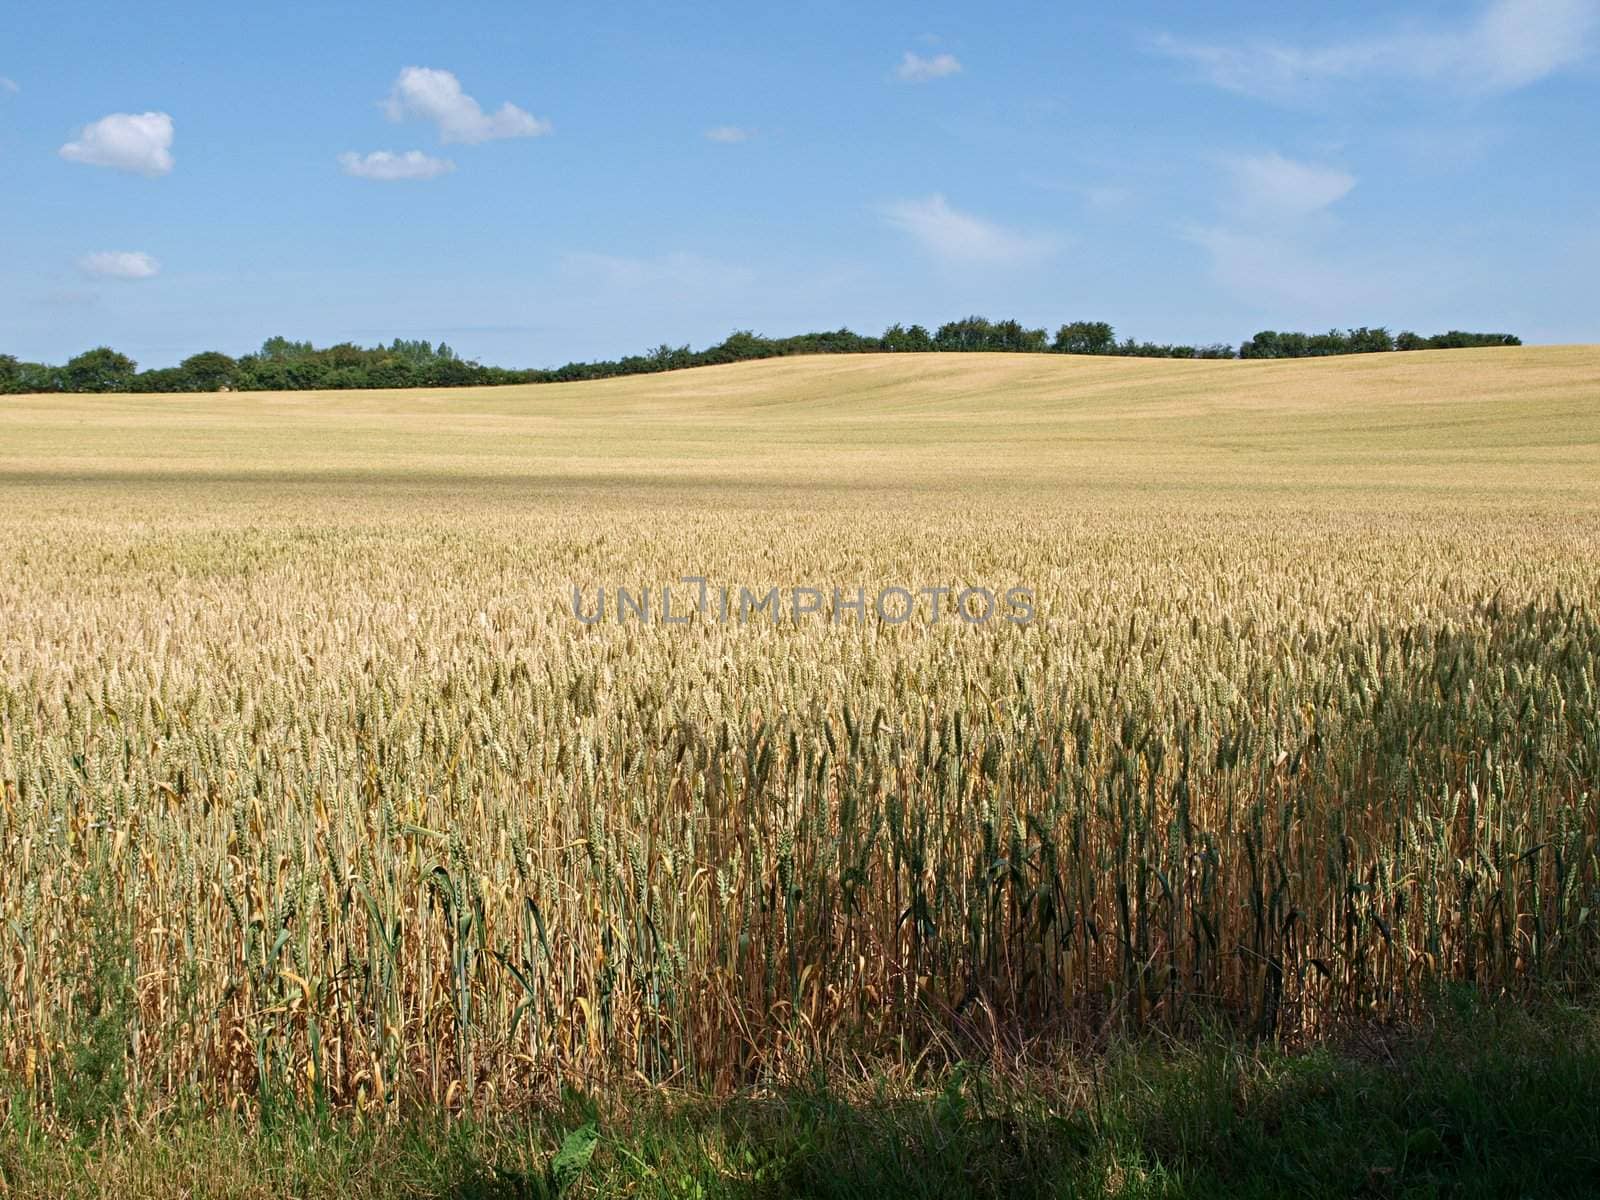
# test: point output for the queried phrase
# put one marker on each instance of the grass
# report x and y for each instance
(1484, 1101)
(315, 797)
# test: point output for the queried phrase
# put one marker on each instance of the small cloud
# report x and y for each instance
(955, 236)
(1272, 185)
(9, 87)
(1509, 45)
(914, 68)
(388, 167)
(1279, 244)
(435, 95)
(119, 264)
(140, 142)
(729, 134)
(1518, 42)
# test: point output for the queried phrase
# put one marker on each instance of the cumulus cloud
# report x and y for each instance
(1279, 239)
(1509, 44)
(435, 95)
(914, 68)
(956, 236)
(119, 264)
(138, 142)
(728, 134)
(1272, 185)
(388, 167)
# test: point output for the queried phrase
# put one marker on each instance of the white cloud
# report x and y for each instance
(388, 167)
(1272, 185)
(9, 86)
(1281, 247)
(139, 142)
(729, 134)
(120, 264)
(1518, 42)
(914, 68)
(1510, 44)
(436, 96)
(956, 236)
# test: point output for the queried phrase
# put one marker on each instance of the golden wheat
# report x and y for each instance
(1293, 738)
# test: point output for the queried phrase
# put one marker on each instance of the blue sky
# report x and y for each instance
(535, 183)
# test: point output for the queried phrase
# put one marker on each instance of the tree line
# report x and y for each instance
(1270, 344)
(284, 365)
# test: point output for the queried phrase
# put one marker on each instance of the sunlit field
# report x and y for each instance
(313, 788)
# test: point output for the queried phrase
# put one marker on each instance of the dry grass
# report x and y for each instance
(294, 699)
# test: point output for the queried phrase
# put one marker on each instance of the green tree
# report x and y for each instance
(1085, 337)
(390, 373)
(666, 358)
(208, 371)
(451, 372)
(1370, 341)
(1263, 345)
(914, 340)
(162, 379)
(1458, 339)
(281, 349)
(99, 370)
(739, 345)
(969, 333)
(38, 377)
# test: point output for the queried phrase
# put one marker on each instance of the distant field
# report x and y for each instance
(1518, 426)
(312, 785)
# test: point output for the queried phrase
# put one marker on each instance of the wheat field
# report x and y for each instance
(312, 786)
